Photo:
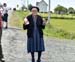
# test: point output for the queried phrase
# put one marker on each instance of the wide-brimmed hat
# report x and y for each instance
(35, 7)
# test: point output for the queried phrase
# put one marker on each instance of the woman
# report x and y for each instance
(1, 54)
(5, 14)
(35, 25)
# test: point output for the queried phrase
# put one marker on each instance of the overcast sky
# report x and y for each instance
(54, 3)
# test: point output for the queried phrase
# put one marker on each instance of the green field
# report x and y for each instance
(59, 28)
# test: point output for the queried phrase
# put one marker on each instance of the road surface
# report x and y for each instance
(15, 48)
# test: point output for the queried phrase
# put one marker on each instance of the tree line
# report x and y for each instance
(63, 10)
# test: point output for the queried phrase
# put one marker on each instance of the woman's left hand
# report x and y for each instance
(44, 21)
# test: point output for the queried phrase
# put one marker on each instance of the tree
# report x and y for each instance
(71, 10)
(29, 6)
(17, 5)
(60, 10)
(51, 12)
(23, 7)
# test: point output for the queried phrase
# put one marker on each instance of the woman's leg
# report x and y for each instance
(6, 25)
(32, 55)
(39, 56)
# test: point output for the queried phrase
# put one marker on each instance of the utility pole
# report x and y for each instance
(49, 11)
(27, 4)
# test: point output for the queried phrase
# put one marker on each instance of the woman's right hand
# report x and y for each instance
(26, 21)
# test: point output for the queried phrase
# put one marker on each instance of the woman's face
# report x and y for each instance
(34, 11)
(5, 5)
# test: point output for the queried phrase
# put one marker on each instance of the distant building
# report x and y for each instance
(42, 6)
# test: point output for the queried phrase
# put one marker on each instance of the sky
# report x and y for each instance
(54, 3)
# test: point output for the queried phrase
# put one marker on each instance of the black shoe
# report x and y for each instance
(33, 60)
(38, 60)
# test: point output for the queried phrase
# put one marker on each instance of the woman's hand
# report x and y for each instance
(44, 21)
(26, 21)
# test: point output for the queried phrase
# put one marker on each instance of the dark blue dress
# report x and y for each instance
(36, 43)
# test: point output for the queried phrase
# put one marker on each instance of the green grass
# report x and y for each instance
(17, 18)
(59, 28)
(66, 25)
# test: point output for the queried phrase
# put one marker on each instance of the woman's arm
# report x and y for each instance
(43, 23)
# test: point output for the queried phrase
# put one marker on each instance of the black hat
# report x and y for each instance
(34, 7)
(4, 4)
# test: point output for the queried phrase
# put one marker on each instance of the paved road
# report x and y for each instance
(15, 48)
